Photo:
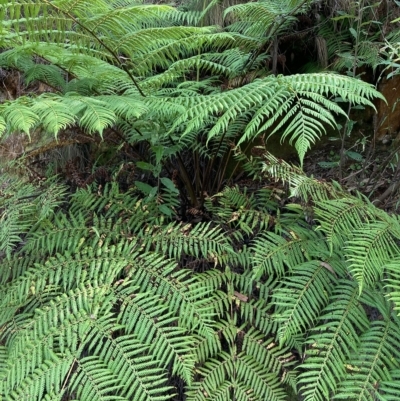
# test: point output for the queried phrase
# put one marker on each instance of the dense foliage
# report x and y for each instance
(109, 299)
(135, 274)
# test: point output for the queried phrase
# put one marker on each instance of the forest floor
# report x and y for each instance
(370, 168)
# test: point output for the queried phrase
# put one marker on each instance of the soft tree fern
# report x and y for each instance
(107, 294)
(102, 300)
(130, 68)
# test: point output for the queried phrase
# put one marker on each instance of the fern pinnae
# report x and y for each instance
(301, 298)
(152, 324)
(376, 356)
(153, 272)
(266, 352)
(136, 369)
(332, 343)
(339, 217)
(216, 375)
(81, 301)
(271, 250)
(94, 380)
(53, 369)
(367, 252)
(251, 375)
(392, 282)
(200, 240)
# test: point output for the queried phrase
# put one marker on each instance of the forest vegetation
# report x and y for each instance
(198, 200)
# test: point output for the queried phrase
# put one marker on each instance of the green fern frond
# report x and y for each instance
(252, 377)
(301, 298)
(249, 212)
(200, 240)
(45, 73)
(332, 342)
(263, 19)
(300, 185)
(21, 206)
(145, 316)
(53, 115)
(128, 362)
(153, 272)
(216, 379)
(64, 232)
(376, 356)
(391, 388)
(339, 217)
(270, 98)
(275, 253)
(19, 116)
(237, 373)
(371, 247)
(273, 358)
(52, 370)
(392, 282)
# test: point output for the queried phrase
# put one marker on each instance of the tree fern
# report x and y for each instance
(102, 318)
(114, 292)
(298, 104)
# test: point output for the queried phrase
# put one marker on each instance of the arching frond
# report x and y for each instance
(274, 100)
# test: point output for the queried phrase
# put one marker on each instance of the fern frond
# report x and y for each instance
(339, 217)
(19, 116)
(53, 115)
(96, 381)
(249, 212)
(273, 358)
(145, 316)
(301, 186)
(50, 74)
(240, 374)
(22, 205)
(391, 388)
(376, 356)
(270, 98)
(392, 282)
(52, 370)
(127, 360)
(152, 272)
(277, 252)
(371, 247)
(200, 240)
(263, 19)
(332, 342)
(301, 298)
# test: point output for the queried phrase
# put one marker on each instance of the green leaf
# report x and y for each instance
(145, 188)
(169, 184)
